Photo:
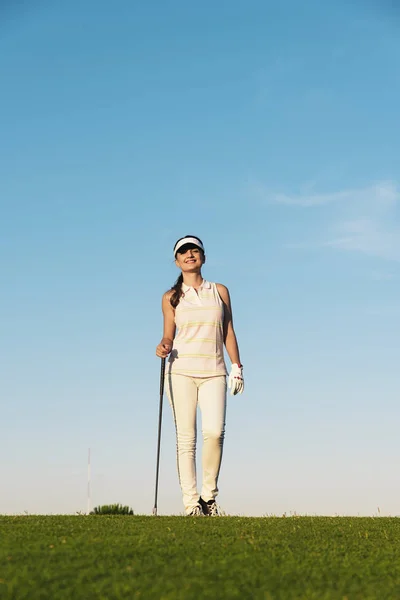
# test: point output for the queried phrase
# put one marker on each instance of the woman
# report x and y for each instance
(196, 371)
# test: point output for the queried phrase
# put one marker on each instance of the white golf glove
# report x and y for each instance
(235, 379)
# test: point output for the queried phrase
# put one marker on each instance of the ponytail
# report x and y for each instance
(177, 291)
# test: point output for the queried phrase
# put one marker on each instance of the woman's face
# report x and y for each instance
(190, 259)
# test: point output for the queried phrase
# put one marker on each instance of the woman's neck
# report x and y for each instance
(193, 279)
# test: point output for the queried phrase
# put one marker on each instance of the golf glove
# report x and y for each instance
(235, 379)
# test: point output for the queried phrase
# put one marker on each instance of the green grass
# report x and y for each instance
(80, 558)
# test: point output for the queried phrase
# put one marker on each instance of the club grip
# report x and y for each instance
(162, 375)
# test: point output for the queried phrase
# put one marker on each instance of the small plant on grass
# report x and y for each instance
(112, 509)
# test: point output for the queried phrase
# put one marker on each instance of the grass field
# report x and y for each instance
(80, 558)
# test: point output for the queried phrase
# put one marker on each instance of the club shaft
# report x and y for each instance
(162, 374)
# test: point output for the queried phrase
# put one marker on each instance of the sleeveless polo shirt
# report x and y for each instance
(198, 348)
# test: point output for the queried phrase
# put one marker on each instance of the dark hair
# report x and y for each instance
(177, 287)
(176, 291)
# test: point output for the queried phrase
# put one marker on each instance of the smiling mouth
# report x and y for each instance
(191, 260)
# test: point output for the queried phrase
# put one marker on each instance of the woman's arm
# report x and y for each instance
(165, 346)
(230, 340)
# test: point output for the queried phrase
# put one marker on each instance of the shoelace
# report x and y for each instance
(196, 512)
(213, 510)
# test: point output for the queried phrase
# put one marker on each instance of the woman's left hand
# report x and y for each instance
(235, 379)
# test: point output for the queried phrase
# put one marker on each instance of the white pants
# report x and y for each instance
(184, 394)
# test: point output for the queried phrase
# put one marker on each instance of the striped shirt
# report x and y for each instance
(198, 348)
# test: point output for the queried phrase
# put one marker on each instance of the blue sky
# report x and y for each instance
(269, 130)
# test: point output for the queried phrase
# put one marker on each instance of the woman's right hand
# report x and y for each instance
(163, 349)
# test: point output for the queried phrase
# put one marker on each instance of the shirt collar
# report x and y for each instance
(206, 285)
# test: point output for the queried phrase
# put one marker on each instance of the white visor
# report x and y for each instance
(188, 240)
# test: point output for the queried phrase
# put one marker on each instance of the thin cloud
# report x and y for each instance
(383, 276)
(369, 237)
(384, 193)
(361, 220)
(383, 311)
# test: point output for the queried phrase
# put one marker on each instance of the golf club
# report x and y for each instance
(159, 431)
